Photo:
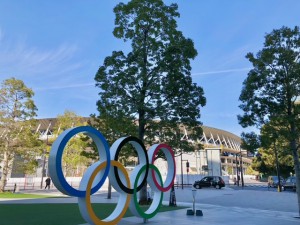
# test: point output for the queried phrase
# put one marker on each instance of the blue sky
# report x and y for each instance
(56, 47)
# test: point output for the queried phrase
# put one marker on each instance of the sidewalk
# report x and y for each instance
(216, 215)
(212, 214)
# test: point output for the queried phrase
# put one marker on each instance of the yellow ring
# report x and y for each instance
(90, 210)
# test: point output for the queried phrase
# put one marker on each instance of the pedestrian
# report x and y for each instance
(149, 196)
(48, 182)
(15, 188)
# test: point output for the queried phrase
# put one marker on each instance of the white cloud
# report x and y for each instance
(33, 60)
(19, 59)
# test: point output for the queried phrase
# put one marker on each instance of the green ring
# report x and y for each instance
(137, 206)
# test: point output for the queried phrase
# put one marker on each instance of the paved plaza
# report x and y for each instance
(225, 206)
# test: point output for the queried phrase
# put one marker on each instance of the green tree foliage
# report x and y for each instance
(153, 81)
(270, 91)
(17, 110)
(73, 158)
(250, 142)
(151, 85)
(265, 162)
(268, 142)
(113, 126)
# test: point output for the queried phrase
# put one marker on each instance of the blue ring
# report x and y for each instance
(55, 159)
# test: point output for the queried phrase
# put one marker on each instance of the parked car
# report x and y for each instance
(273, 181)
(290, 183)
(210, 181)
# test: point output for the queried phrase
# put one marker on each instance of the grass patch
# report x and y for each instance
(55, 214)
(22, 195)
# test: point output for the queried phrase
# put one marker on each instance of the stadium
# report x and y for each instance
(221, 156)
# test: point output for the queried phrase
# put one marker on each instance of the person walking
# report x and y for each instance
(48, 182)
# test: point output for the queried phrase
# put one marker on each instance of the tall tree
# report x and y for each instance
(17, 110)
(151, 85)
(271, 89)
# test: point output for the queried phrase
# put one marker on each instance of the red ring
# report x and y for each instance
(167, 147)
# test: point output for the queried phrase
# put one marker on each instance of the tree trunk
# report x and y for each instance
(5, 170)
(293, 146)
(297, 170)
(143, 191)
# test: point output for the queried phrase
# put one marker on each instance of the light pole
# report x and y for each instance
(237, 171)
(241, 168)
(187, 171)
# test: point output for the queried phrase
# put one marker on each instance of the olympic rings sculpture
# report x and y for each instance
(108, 166)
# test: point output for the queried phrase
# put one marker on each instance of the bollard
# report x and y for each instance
(199, 212)
(194, 192)
(190, 212)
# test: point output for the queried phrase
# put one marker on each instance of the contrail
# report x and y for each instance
(221, 71)
(93, 84)
(65, 86)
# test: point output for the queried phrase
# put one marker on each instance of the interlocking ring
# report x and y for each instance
(108, 166)
(55, 159)
(84, 203)
(142, 155)
(152, 152)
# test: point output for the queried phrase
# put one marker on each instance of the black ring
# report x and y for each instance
(131, 140)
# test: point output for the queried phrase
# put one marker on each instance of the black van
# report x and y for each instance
(210, 181)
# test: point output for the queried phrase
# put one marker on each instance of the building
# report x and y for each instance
(221, 154)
